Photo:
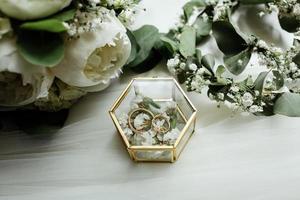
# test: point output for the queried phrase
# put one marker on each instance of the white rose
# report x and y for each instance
(96, 57)
(21, 83)
(4, 26)
(32, 9)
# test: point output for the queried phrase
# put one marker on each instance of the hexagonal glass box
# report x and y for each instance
(154, 118)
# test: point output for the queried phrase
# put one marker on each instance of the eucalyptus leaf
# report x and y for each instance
(219, 72)
(173, 121)
(150, 101)
(50, 25)
(288, 104)
(259, 82)
(188, 8)
(255, 1)
(279, 81)
(170, 44)
(227, 38)
(41, 48)
(199, 56)
(296, 59)
(151, 61)
(236, 64)
(290, 24)
(146, 37)
(246, 84)
(181, 77)
(134, 46)
(203, 28)
(187, 45)
(208, 61)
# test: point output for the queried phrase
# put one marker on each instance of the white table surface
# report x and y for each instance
(240, 157)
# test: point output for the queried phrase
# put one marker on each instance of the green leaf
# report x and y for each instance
(203, 28)
(65, 16)
(208, 61)
(220, 70)
(181, 77)
(151, 61)
(236, 64)
(259, 82)
(199, 56)
(246, 84)
(228, 40)
(173, 121)
(279, 80)
(220, 80)
(255, 1)
(296, 59)
(134, 46)
(187, 45)
(41, 48)
(290, 24)
(188, 8)
(150, 101)
(50, 25)
(146, 37)
(288, 104)
(170, 44)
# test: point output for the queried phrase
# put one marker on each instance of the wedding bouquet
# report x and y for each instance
(54, 52)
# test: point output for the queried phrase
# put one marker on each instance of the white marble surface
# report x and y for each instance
(240, 157)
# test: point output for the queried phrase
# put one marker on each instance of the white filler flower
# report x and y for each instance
(32, 9)
(92, 60)
(21, 83)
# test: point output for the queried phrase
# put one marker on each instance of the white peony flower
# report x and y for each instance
(92, 60)
(32, 9)
(21, 83)
(5, 26)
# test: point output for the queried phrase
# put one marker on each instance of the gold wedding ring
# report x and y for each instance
(147, 123)
(164, 128)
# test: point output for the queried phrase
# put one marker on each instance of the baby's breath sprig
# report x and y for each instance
(263, 95)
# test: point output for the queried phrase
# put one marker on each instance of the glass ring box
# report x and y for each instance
(154, 118)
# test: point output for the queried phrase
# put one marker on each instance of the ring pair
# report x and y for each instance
(152, 123)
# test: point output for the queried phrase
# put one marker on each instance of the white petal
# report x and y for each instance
(32, 9)
(74, 71)
(35, 76)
